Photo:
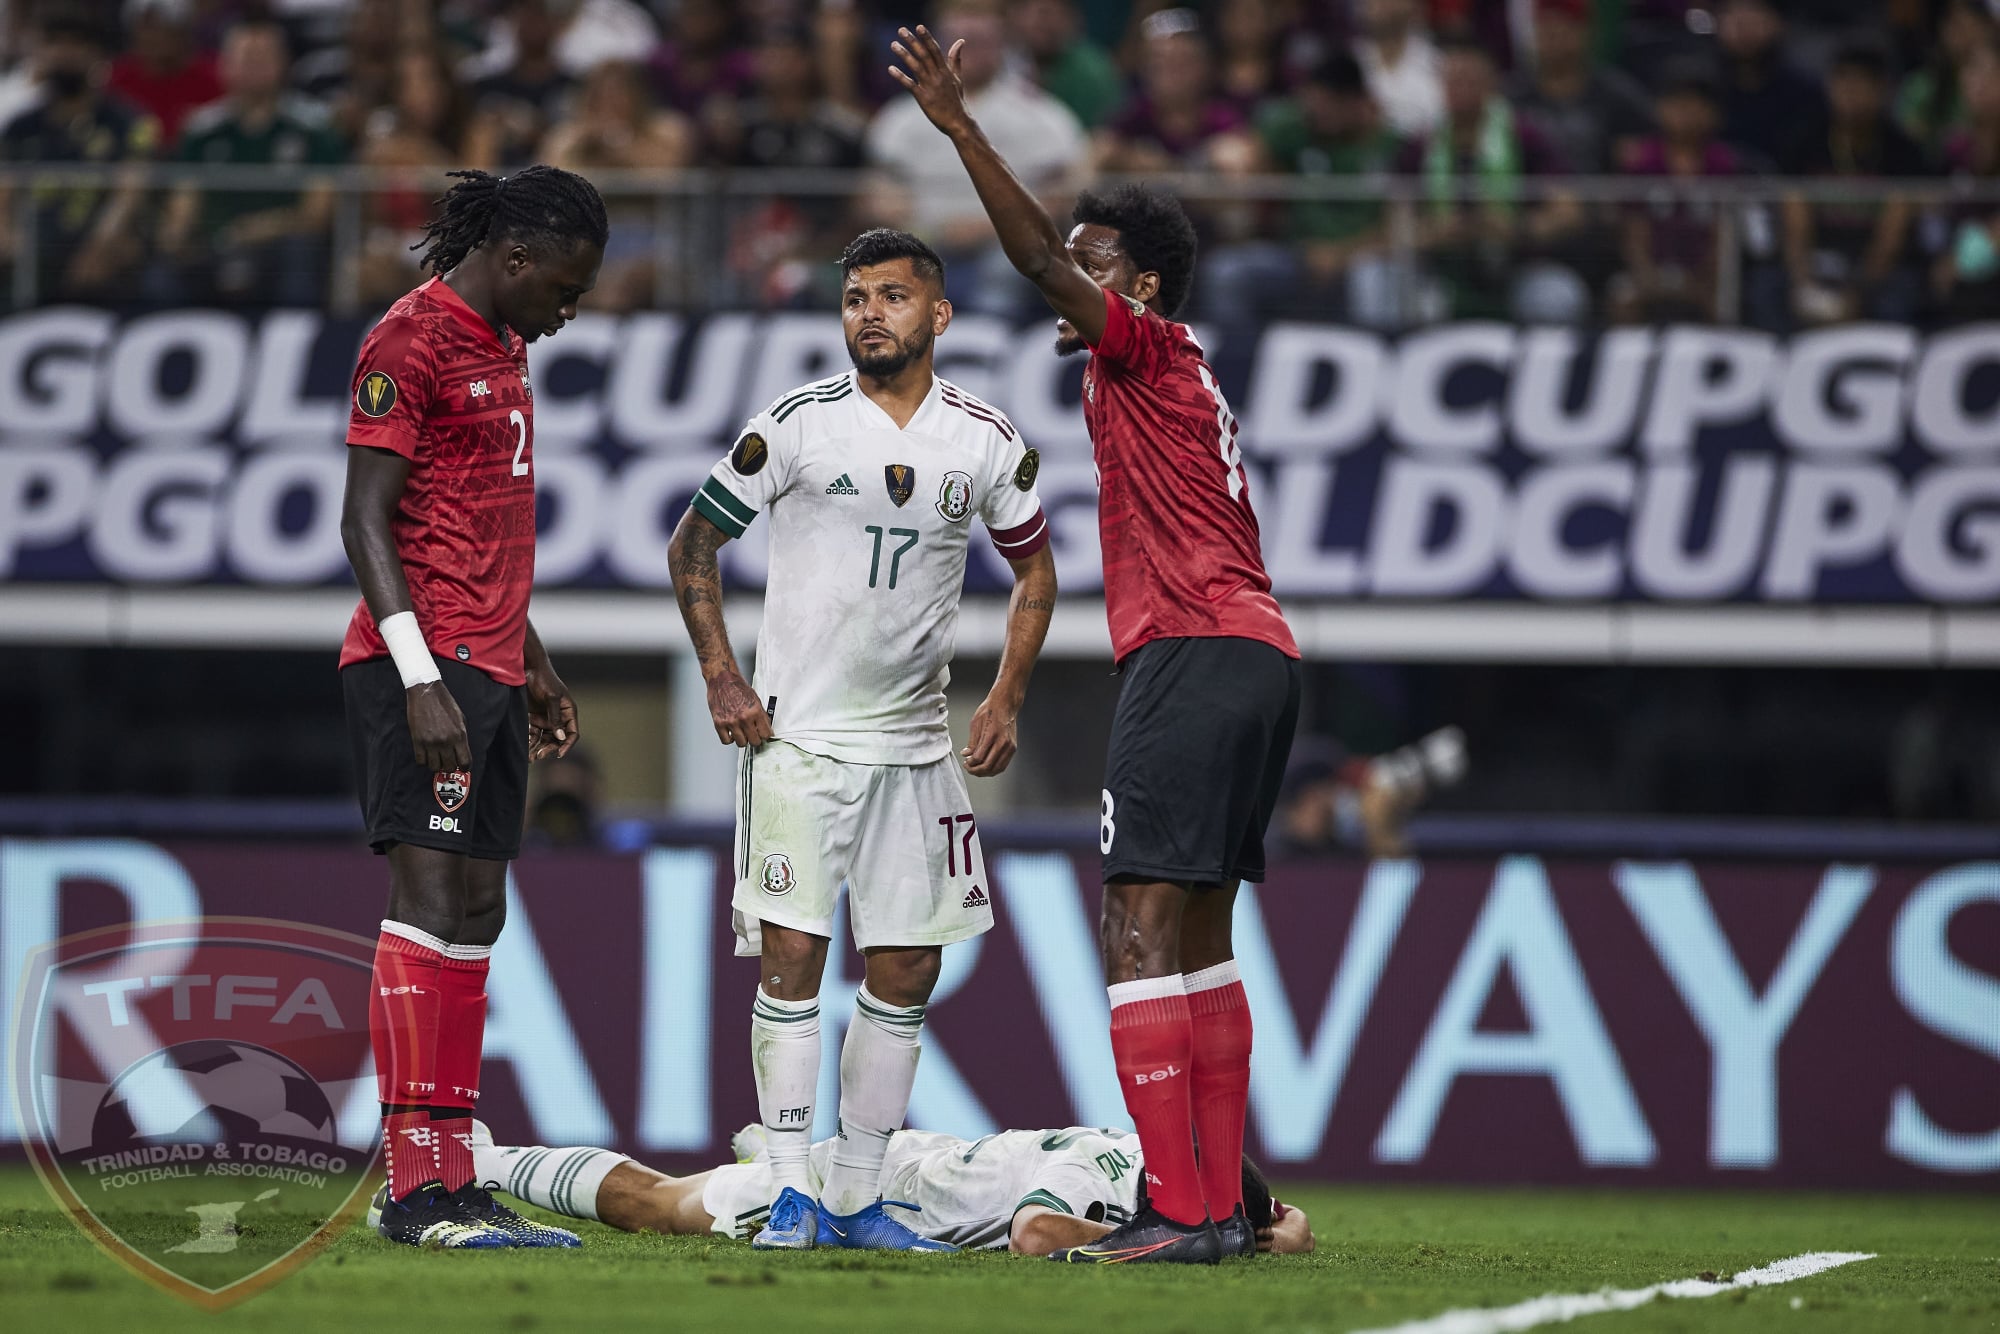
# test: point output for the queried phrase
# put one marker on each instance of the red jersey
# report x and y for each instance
(435, 384)
(1182, 558)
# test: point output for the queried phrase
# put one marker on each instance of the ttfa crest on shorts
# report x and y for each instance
(452, 787)
(778, 877)
(185, 1090)
(955, 496)
(902, 480)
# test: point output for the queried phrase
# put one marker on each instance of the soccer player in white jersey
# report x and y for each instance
(1032, 1192)
(871, 480)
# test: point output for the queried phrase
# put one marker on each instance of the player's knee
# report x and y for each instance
(792, 962)
(1140, 931)
(904, 977)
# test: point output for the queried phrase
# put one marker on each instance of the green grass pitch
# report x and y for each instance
(1385, 1256)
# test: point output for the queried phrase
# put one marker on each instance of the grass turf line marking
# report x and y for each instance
(1557, 1307)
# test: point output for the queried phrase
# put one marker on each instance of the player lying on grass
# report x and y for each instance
(1033, 1192)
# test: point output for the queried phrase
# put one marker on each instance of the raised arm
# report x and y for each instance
(1028, 234)
(375, 480)
(993, 739)
(740, 720)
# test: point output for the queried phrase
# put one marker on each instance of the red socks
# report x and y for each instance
(1152, 1041)
(461, 1044)
(427, 1022)
(1219, 1083)
(403, 1010)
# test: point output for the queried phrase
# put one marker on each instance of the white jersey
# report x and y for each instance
(966, 1191)
(869, 525)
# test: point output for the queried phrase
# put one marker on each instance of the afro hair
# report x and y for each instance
(1155, 232)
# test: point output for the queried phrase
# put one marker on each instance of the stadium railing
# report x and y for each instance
(711, 239)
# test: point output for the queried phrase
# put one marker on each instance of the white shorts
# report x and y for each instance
(900, 836)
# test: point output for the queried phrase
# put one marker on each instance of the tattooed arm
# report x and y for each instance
(1028, 612)
(739, 718)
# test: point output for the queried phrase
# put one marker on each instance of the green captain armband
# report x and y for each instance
(720, 507)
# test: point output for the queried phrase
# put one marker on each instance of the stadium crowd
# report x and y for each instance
(1471, 114)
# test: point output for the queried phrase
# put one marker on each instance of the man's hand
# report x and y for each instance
(551, 713)
(993, 741)
(740, 718)
(437, 728)
(933, 78)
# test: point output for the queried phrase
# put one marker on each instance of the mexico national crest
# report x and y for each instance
(902, 480)
(778, 876)
(452, 787)
(955, 496)
(183, 1088)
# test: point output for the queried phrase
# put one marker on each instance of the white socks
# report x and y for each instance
(878, 1068)
(784, 1053)
(563, 1181)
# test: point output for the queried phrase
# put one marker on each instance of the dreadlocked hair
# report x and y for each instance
(544, 208)
(1154, 231)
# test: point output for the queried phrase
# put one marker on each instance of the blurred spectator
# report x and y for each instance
(1929, 103)
(1670, 242)
(1767, 105)
(235, 244)
(163, 72)
(702, 61)
(926, 188)
(424, 133)
(1333, 801)
(1488, 250)
(563, 812)
(357, 77)
(84, 239)
(1175, 120)
(788, 124)
(1076, 71)
(588, 33)
(1587, 113)
(1402, 66)
(616, 126)
(1331, 254)
(518, 104)
(1967, 275)
(1248, 59)
(1851, 259)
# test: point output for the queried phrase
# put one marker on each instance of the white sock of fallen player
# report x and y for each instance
(878, 1068)
(563, 1181)
(784, 1053)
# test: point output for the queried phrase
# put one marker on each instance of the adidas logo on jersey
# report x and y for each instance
(843, 486)
(976, 899)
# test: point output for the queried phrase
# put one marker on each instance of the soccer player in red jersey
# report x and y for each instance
(1211, 676)
(449, 691)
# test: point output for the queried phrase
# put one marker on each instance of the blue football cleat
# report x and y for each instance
(794, 1224)
(872, 1229)
(479, 1205)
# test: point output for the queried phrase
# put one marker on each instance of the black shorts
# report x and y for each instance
(479, 813)
(1198, 751)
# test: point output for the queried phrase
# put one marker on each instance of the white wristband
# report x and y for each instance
(407, 647)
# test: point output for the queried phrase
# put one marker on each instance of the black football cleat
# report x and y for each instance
(430, 1217)
(1150, 1238)
(480, 1207)
(1238, 1237)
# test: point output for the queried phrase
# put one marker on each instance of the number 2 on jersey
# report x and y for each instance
(520, 425)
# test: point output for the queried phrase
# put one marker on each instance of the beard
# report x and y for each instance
(894, 359)
(1068, 341)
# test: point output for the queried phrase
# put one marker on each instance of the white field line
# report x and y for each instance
(1557, 1307)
